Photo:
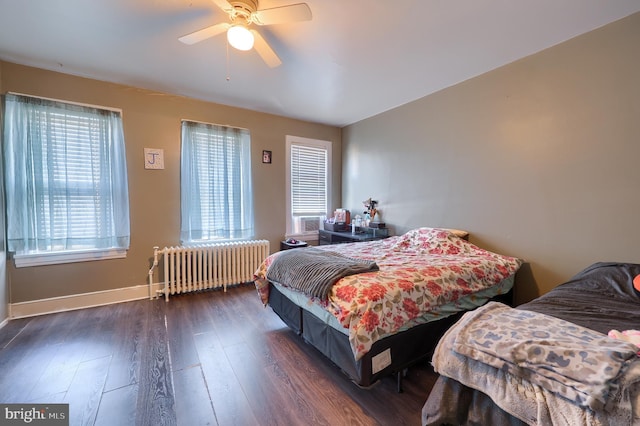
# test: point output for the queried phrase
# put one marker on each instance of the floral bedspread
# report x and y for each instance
(420, 270)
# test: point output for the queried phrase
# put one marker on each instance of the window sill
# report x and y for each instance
(303, 236)
(41, 259)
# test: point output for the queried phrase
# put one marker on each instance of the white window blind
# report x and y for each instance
(309, 164)
(65, 177)
(217, 199)
(308, 181)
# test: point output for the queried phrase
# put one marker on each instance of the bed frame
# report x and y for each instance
(391, 355)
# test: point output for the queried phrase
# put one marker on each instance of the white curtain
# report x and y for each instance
(216, 189)
(65, 177)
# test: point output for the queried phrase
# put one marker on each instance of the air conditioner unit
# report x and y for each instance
(310, 224)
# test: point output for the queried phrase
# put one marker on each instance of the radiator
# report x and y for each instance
(207, 266)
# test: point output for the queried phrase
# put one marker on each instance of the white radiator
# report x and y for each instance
(207, 266)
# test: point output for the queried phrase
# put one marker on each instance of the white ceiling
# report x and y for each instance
(354, 59)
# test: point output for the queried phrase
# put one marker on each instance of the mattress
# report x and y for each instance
(501, 291)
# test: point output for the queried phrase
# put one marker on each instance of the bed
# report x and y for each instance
(392, 305)
(568, 357)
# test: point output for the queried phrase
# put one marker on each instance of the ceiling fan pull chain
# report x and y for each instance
(228, 76)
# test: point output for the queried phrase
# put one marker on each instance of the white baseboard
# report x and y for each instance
(80, 301)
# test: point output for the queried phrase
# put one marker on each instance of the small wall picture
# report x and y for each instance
(154, 159)
(266, 157)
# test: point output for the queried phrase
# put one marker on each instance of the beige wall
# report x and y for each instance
(537, 159)
(153, 120)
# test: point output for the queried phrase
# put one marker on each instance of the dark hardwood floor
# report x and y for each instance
(210, 358)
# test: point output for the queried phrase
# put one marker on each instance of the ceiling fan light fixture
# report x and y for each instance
(240, 37)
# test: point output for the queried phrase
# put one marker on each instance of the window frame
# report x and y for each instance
(246, 187)
(290, 141)
(67, 256)
(38, 258)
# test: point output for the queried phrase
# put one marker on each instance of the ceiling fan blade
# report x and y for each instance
(283, 14)
(223, 4)
(265, 51)
(204, 33)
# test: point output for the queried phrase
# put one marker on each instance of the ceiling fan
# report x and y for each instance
(243, 13)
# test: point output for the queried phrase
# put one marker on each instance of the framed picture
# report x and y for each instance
(154, 158)
(266, 157)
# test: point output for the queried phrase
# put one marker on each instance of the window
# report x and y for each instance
(66, 181)
(308, 180)
(216, 194)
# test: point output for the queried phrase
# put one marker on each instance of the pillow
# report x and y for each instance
(459, 233)
(435, 241)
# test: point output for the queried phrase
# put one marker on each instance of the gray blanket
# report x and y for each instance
(602, 298)
(577, 363)
(314, 271)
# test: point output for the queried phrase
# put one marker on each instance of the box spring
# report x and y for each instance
(406, 347)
